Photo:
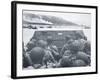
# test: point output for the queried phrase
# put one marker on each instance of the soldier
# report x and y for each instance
(66, 46)
(26, 59)
(53, 48)
(36, 56)
(48, 57)
(31, 44)
(87, 47)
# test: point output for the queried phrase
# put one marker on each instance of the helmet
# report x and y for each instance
(30, 45)
(42, 43)
(83, 56)
(78, 63)
(49, 39)
(65, 62)
(37, 54)
(77, 45)
(87, 46)
(67, 53)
